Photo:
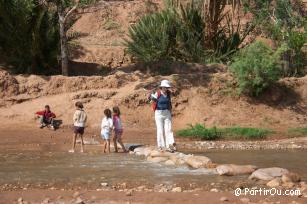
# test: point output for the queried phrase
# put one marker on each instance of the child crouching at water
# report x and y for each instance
(106, 129)
(118, 129)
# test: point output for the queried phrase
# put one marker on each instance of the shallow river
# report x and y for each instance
(61, 169)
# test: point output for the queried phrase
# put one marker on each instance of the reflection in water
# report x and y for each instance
(63, 169)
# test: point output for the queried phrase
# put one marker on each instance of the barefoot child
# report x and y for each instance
(79, 124)
(106, 129)
(46, 117)
(118, 129)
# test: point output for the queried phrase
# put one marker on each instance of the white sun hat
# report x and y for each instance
(165, 83)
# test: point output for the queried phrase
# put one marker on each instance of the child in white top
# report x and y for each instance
(79, 120)
(106, 129)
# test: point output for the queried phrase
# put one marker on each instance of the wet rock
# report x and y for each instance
(232, 169)
(224, 199)
(143, 151)
(268, 173)
(170, 163)
(274, 183)
(177, 189)
(156, 153)
(198, 161)
(178, 159)
(290, 177)
(157, 159)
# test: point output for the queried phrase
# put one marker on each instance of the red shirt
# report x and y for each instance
(46, 114)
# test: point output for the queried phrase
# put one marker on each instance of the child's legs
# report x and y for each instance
(169, 136)
(108, 145)
(160, 129)
(74, 140)
(82, 143)
(115, 143)
(120, 141)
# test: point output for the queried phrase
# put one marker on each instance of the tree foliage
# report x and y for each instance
(256, 67)
(283, 21)
(29, 36)
(198, 32)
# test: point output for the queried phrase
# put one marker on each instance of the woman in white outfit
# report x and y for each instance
(163, 116)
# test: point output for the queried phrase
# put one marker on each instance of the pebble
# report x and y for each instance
(223, 199)
(177, 189)
(20, 200)
(214, 190)
(104, 184)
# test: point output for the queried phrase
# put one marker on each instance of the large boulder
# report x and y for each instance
(198, 161)
(268, 174)
(143, 151)
(178, 159)
(157, 159)
(156, 153)
(233, 169)
(290, 177)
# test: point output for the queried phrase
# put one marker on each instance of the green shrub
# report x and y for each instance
(179, 33)
(256, 67)
(200, 131)
(203, 133)
(153, 37)
(244, 133)
(29, 36)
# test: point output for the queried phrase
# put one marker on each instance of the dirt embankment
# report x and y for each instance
(205, 95)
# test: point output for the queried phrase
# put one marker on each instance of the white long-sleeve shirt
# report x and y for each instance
(106, 125)
(79, 118)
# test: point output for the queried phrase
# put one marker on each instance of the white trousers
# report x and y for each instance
(163, 120)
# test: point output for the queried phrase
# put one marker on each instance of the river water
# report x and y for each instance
(61, 169)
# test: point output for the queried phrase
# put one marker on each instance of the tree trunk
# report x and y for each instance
(63, 39)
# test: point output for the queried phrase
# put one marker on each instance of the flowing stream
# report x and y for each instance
(61, 169)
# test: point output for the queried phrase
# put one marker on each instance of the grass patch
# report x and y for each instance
(298, 132)
(245, 133)
(201, 132)
(241, 133)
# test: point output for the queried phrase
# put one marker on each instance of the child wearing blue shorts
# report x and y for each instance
(106, 129)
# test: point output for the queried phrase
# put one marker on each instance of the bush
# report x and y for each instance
(200, 131)
(153, 37)
(29, 36)
(245, 133)
(203, 133)
(256, 67)
(179, 33)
